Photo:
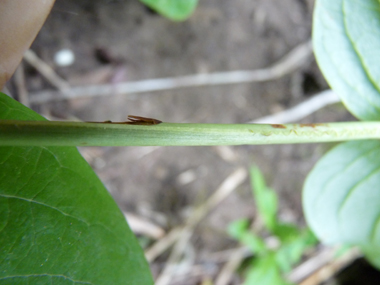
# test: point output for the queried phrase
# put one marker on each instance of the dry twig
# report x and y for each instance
(292, 61)
(46, 71)
(163, 244)
(311, 265)
(231, 266)
(142, 226)
(301, 110)
(185, 233)
(327, 271)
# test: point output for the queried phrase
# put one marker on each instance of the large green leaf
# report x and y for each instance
(342, 197)
(176, 10)
(58, 224)
(346, 38)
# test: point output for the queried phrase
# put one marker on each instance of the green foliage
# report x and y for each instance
(240, 231)
(346, 39)
(58, 224)
(269, 264)
(176, 10)
(266, 199)
(341, 197)
(341, 201)
(265, 272)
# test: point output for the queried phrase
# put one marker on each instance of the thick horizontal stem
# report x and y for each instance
(51, 133)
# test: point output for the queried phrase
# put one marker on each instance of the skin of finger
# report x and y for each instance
(20, 21)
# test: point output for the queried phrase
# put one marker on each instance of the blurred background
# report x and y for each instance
(87, 43)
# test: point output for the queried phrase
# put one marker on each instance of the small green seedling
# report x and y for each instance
(269, 265)
(173, 9)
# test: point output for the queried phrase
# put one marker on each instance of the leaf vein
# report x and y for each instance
(354, 187)
(46, 205)
(46, 274)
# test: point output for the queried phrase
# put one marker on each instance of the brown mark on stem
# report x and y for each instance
(278, 126)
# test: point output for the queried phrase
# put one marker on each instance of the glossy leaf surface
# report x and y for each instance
(58, 224)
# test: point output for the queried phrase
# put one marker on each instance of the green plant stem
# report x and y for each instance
(52, 133)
